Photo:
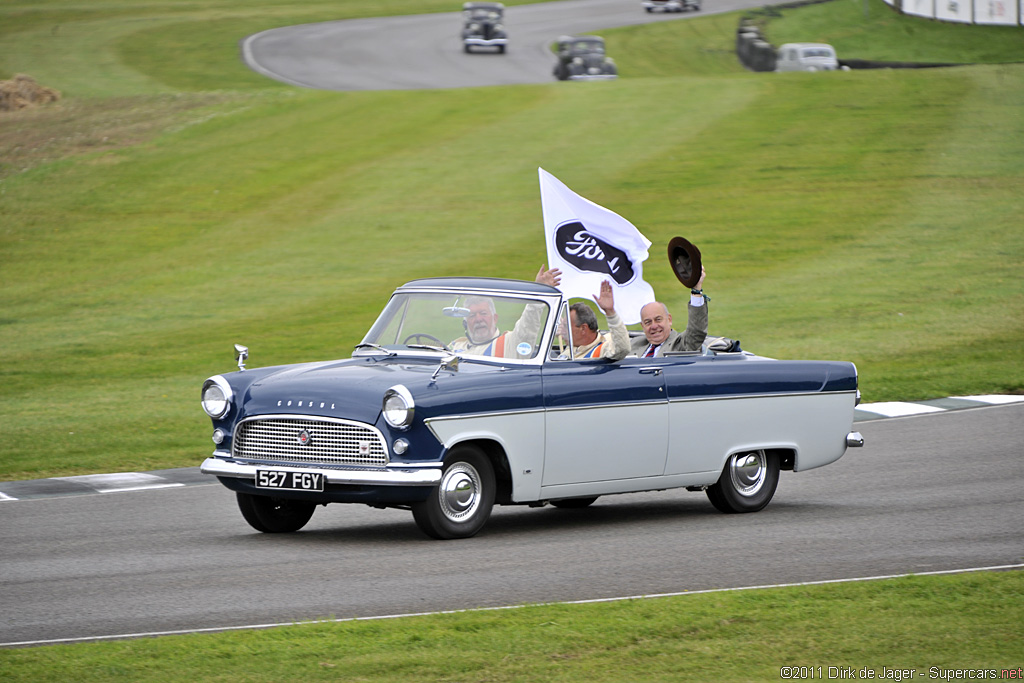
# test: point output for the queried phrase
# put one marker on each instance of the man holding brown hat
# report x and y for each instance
(659, 337)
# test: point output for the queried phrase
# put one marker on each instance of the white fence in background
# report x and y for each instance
(992, 12)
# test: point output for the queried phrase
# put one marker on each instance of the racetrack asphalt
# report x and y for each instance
(414, 52)
(935, 492)
(190, 476)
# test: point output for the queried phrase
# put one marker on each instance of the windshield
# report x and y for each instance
(483, 14)
(588, 47)
(465, 324)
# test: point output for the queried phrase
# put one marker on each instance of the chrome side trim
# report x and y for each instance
(592, 406)
(492, 413)
(854, 440)
(731, 397)
(598, 406)
(389, 477)
(429, 422)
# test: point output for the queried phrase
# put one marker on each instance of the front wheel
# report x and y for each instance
(274, 515)
(461, 504)
(747, 483)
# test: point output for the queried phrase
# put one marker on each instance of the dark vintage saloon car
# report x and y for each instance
(433, 415)
(483, 25)
(583, 58)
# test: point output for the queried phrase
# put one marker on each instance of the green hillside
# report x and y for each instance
(173, 203)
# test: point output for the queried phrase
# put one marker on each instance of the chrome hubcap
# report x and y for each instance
(747, 472)
(460, 492)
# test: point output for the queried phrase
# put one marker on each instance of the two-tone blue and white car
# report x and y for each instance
(432, 416)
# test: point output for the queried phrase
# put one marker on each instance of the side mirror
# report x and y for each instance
(450, 363)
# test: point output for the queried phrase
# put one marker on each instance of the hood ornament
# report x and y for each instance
(241, 355)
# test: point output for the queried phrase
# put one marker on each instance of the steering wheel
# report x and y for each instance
(423, 335)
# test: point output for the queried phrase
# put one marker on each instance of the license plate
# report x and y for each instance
(289, 481)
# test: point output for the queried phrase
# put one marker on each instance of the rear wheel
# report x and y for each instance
(274, 515)
(747, 483)
(461, 504)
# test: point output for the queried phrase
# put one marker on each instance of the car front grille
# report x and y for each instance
(327, 442)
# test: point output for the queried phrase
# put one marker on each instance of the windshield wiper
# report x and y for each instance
(376, 347)
(430, 347)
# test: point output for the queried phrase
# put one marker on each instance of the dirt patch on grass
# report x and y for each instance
(23, 91)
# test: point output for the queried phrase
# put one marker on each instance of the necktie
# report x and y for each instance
(651, 350)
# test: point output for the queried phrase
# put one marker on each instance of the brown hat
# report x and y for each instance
(685, 260)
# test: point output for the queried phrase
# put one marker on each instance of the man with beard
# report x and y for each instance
(483, 337)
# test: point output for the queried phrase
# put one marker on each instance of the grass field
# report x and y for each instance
(173, 203)
(930, 626)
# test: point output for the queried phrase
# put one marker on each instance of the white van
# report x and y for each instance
(806, 57)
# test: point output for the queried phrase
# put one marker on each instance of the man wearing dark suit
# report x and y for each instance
(659, 337)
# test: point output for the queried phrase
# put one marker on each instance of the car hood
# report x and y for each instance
(351, 389)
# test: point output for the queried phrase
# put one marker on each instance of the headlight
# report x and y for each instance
(398, 407)
(217, 397)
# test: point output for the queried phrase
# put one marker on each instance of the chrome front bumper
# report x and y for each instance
(392, 476)
(854, 440)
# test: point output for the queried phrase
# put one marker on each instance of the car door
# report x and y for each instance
(604, 422)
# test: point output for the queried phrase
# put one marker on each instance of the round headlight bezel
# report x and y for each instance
(215, 407)
(398, 407)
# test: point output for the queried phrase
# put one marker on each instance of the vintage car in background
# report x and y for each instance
(483, 25)
(582, 58)
(438, 413)
(672, 5)
(806, 57)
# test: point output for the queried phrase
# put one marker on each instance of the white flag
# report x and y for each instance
(591, 244)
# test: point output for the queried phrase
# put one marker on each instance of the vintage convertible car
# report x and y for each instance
(483, 25)
(582, 58)
(672, 5)
(437, 413)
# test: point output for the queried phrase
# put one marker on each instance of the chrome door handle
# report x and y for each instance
(650, 371)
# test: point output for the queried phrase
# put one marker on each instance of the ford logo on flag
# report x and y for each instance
(589, 253)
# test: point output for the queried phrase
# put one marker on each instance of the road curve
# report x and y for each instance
(940, 491)
(425, 51)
